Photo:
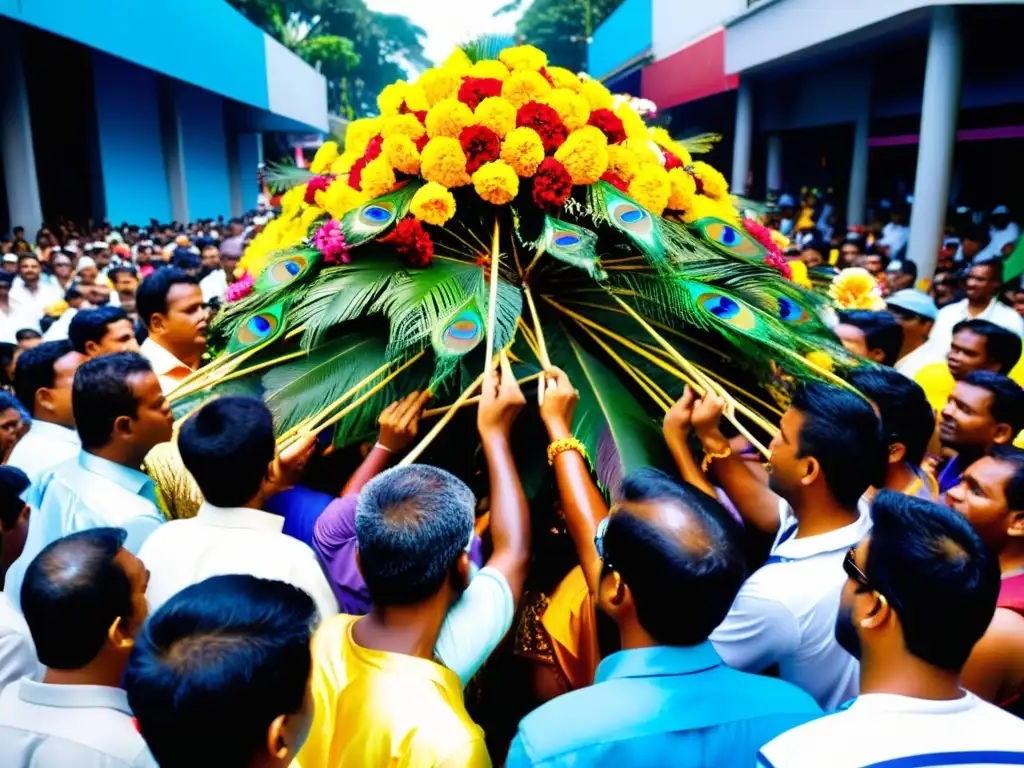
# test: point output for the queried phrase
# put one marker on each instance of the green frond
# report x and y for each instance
(700, 144)
(280, 177)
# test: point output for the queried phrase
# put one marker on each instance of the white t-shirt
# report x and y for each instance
(18, 317)
(878, 728)
(941, 335)
(785, 613)
(17, 652)
(910, 364)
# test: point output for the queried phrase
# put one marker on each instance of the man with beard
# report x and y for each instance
(919, 592)
(984, 410)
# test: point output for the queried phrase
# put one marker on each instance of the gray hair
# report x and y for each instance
(412, 523)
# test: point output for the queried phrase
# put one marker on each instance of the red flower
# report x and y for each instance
(762, 234)
(615, 181)
(545, 121)
(777, 262)
(373, 148)
(412, 242)
(355, 175)
(421, 142)
(552, 185)
(421, 116)
(480, 144)
(317, 184)
(546, 76)
(609, 124)
(475, 89)
(671, 160)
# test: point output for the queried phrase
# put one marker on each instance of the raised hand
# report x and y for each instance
(501, 400)
(678, 420)
(400, 421)
(560, 398)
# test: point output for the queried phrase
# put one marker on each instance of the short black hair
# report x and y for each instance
(101, 393)
(72, 593)
(230, 643)
(13, 483)
(839, 424)
(1015, 488)
(1007, 397)
(34, 370)
(1001, 345)
(28, 255)
(907, 267)
(151, 295)
(881, 331)
(27, 333)
(706, 572)
(72, 293)
(227, 446)
(126, 269)
(92, 324)
(907, 417)
(936, 574)
(993, 263)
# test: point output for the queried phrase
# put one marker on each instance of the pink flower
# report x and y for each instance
(240, 289)
(330, 241)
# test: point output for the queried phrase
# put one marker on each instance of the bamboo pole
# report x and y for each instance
(443, 409)
(436, 429)
(492, 308)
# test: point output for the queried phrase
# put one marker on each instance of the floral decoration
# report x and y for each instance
(412, 243)
(330, 241)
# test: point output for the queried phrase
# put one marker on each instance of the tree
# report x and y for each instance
(561, 28)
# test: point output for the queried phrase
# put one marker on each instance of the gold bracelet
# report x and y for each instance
(709, 457)
(565, 444)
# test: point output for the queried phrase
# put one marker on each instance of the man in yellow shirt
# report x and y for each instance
(381, 699)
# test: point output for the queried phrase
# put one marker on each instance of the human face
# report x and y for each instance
(1018, 302)
(87, 275)
(120, 337)
(967, 420)
(125, 282)
(873, 264)
(981, 284)
(138, 578)
(981, 498)
(211, 258)
(102, 258)
(29, 269)
(229, 264)
(54, 403)
(153, 419)
(968, 352)
(812, 258)
(186, 319)
(62, 268)
(849, 255)
(915, 327)
(854, 339)
(10, 429)
(789, 472)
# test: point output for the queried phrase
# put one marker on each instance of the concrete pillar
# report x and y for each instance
(856, 201)
(938, 138)
(744, 136)
(174, 153)
(24, 207)
(234, 172)
(773, 173)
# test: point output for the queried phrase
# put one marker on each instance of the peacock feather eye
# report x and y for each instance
(285, 270)
(377, 214)
(729, 238)
(631, 218)
(791, 312)
(463, 333)
(258, 328)
(727, 310)
(564, 239)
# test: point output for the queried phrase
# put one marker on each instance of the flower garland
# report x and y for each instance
(330, 241)
(412, 243)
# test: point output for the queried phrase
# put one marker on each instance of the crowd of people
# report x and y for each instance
(858, 601)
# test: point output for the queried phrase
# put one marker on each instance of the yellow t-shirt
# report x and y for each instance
(375, 708)
(937, 383)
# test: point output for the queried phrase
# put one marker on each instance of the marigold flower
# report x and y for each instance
(664, 140)
(392, 98)
(448, 118)
(344, 163)
(552, 185)
(572, 108)
(523, 87)
(378, 177)
(402, 125)
(475, 89)
(416, 99)
(496, 113)
(457, 63)
(856, 288)
(565, 78)
(359, 132)
(496, 182)
(651, 188)
(585, 158)
(489, 68)
(339, 198)
(401, 152)
(820, 359)
(523, 58)
(545, 121)
(713, 183)
(438, 85)
(481, 145)
(523, 150)
(444, 161)
(324, 156)
(684, 189)
(622, 162)
(598, 96)
(433, 204)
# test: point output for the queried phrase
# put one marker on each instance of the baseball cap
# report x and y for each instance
(917, 302)
(1000, 210)
(10, 258)
(786, 201)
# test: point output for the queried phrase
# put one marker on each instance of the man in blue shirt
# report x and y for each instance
(120, 414)
(672, 566)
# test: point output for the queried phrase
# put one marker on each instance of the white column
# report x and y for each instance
(23, 204)
(938, 138)
(743, 138)
(773, 173)
(856, 201)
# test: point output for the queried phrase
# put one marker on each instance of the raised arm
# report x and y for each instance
(758, 505)
(676, 429)
(501, 400)
(399, 423)
(583, 506)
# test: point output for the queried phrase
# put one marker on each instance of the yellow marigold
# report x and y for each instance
(489, 68)
(339, 198)
(402, 154)
(291, 201)
(798, 270)
(571, 107)
(598, 96)
(457, 62)
(820, 359)
(591, 135)
(344, 162)
(378, 177)
(523, 150)
(324, 156)
(779, 239)
(523, 87)
(651, 188)
(702, 207)
(622, 162)
(359, 133)
(684, 189)
(523, 58)
(497, 114)
(664, 140)
(391, 99)
(642, 151)
(565, 78)
(402, 125)
(444, 161)
(416, 99)
(496, 182)
(433, 204)
(311, 214)
(632, 123)
(438, 84)
(715, 185)
(856, 288)
(585, 159)
(447, 118)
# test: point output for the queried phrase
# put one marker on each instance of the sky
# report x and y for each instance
(450, 22)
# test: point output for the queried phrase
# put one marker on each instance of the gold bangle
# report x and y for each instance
(565, 444)
(709, 457)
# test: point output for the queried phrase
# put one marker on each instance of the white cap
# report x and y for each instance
(86, 261)
(1000, 210)
(10, 258)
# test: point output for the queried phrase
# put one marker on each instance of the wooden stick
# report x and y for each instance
(436, 429)
(431, 412)
(492, 309)
(538, 333)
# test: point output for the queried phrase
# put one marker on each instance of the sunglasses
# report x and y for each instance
(602, 528)
(864, 584)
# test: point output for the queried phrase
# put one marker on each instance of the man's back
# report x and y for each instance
(878, 728)
(385, 709)
(662, 706)
(45, 446)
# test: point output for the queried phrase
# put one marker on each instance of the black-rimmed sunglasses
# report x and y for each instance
(602, 528)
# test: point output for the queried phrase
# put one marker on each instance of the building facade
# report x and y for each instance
(131, 111)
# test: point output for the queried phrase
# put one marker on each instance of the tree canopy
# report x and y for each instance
(561, 28)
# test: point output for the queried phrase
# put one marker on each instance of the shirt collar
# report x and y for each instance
(74, 696)
(130, 479)
(890, 702)
(162, 360)
(660, 661)
(47, 430)
(239, 517)
(839, 539)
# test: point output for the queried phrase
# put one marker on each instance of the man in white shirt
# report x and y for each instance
(14, 315)
(32, 288)
(43, 380)
(1001, 233)
(17, 653)
(895, 234)
(102, 331)
(829, 450)
(984, 281)
(919, 592)
(170, 304)
(229, 448)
